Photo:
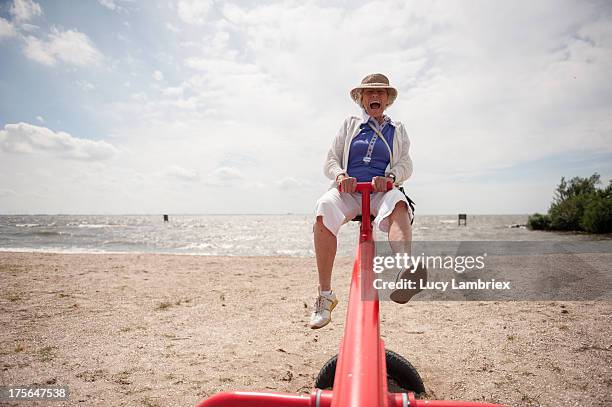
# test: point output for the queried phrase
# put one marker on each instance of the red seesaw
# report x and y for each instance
(361, 372)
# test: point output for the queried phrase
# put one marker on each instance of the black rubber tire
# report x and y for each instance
(401, 375)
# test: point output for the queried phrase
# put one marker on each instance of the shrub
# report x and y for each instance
(597, 217)
(538, 221)
(576, 187)
(578, 205)
(567, 214)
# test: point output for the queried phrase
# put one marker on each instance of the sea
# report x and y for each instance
(233, 235)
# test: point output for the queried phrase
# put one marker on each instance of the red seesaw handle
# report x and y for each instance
(367, 187)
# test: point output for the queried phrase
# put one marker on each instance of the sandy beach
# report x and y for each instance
(169, 330)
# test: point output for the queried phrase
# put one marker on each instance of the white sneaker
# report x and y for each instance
(321, 315)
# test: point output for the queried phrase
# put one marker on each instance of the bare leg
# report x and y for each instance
(325, 243)
(400, 238)
(400, 230)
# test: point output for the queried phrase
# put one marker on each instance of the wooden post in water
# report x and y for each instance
(165, 218)
(462, 217)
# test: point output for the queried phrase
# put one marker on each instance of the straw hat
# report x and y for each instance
(374, 81)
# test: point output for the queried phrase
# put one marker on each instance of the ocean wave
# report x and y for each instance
(120, 242)
(291, 252)
(195, 246)
(101, 251)
(60, 250)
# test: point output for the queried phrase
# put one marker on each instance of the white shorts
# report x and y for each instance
(337, 208)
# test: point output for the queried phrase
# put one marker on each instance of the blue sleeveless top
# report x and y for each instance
(364, 172)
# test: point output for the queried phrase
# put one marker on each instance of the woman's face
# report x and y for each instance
(375, 101)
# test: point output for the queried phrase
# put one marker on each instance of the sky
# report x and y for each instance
(147, 107)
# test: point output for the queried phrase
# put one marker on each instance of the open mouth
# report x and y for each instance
(374, 105)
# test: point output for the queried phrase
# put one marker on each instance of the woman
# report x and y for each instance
(372, 148)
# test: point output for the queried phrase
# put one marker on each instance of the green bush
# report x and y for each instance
(576, 187)
(578, 205)
(538, 221)
(567, 214)
(597, 217)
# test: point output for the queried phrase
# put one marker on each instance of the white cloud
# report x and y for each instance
(193, 11)
(38, 51)
(5, 192)
(115, 5)
(172, 27)
(182, 173)
(288, 183)
(139, 96)
(25, 10)
(158, 76)
(71, 47)
(172, 91)
(85, 85)
(223, 176)
(6, 29)
(227, 173)
(40, 119)
(109, 4)
(24, 138)
(28, 27)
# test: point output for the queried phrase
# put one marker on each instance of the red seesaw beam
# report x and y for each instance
(361, 378)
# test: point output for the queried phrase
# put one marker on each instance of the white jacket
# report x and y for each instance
(338, 154)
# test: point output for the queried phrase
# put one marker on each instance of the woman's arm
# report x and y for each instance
(333, 163)
(403, 168)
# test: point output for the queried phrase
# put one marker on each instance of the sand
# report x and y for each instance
(169, 330)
